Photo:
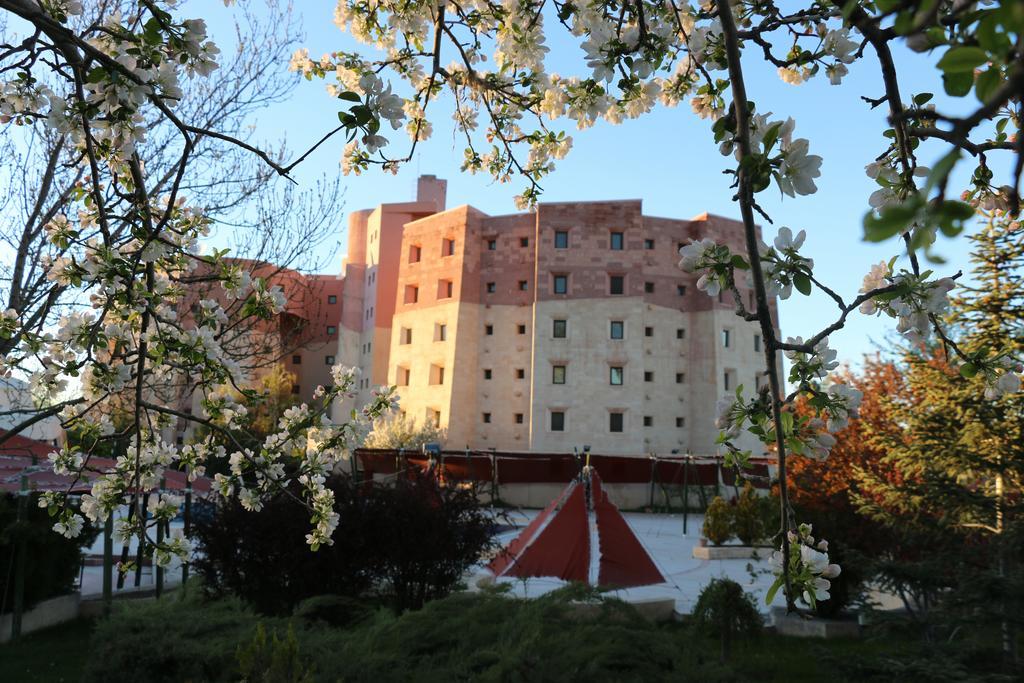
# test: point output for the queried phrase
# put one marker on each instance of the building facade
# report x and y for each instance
(565, 327)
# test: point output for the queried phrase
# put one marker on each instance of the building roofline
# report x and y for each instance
(461, 207)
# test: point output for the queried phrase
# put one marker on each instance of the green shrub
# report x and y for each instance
(747, 521)
(337, 611)
(718, 521)
(53, 561)
(724, 611)
(275, 662)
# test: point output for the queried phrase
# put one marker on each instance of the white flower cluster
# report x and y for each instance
(713, 261)
(809, 567)
(915, 299)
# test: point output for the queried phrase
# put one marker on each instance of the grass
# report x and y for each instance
(55, 654)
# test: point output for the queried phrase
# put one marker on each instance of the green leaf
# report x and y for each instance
(739, 262)
(802, 283)
(987, 83)
(958, 84)
(774, 589)
(968, 370)
(890, 221)
(962, 59)
(922, 99)
(350, 96)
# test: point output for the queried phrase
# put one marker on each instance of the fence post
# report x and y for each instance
(188, 530)
(654, 475)
(22, 552)
(686, 491)
(495, 490)
(108, 563)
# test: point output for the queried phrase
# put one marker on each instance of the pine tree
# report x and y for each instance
(957, 500)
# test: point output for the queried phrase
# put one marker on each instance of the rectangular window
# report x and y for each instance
(559, 328)
(680, 333)
(520, 373)
(757, 381)
(331, 329)
(524, 241)
(648, 421)
(412, 294)
(445, 289)
(648, 376)
(405, 336)
(726, 338)
(332, 299)
(757, 342)
(523, 285)
(615, 422)
(402, 376)
(561, 284)
(681, 290)
(727, 380)
(648, 244)
(615, 375)
(557, 421)
(618, 330)
(648, 331)
(519, 418)
(649, 287)
(558, 374)
(414, 253)
(520, 329)
(680, 422)
(680, 377)
(492, 287)
(435, 417)
(492, 245)
(617, 241)
(440, 332)
(489, 330)
(448, 248)
(487, 418)
(296, 360)
(561, 239)
(487, 373)
(616, 284)
(296, 388)
(436, 374)
(328, 360)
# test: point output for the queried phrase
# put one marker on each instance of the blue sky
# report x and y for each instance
(667, 159)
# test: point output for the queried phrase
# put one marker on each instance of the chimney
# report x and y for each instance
(430, 188)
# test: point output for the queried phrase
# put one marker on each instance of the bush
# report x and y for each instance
(408, 543)
(404, 432)
(718, 521)
(53, 561)
(747, 517)
(723, 610)
(275, 662)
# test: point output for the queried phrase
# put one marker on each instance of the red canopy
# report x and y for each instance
(557, 543)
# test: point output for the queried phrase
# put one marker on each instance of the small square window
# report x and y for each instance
(559, 329)
(680, 377)
(519, 418)
(441, 332)
(648, 421)
(445, 289)
(448, 248)
(615, 422)
(523, 285)
(414, 253)
(558, 374)
(618, 330)
(331, 329)
(617, 241)
(561, 239)
(492, 287)
(524, 241)
(726, 338)
(296, 360)
(328, 360)
(681, 290)
(520, 373)
(561, 284)
(648, 244)
(520, 329)
(489, 330)
(405, 336)
(487, 373)
(296, 389)
(332, 299)
(615, 374)
(616, 284)
(648, 376)
(412, 294)
(402, 376)
(727, 380)
(487, 418)
(757, 342)
(649, 287)
(492, 245)
(680, 333)
(680, 422)
(648, 331)
(557, 421)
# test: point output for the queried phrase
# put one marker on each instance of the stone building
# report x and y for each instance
(544, 331)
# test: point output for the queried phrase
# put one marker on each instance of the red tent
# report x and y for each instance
(558, 542)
